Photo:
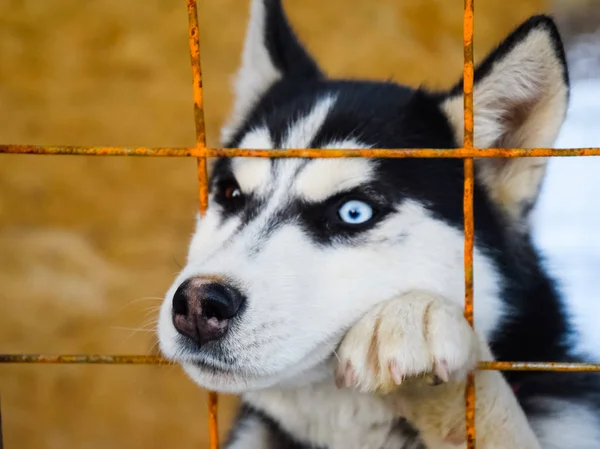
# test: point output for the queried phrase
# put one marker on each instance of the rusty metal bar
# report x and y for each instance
(540, 366)
(202, 185)
(469, 227)
(200, 150)
(194, 33)
(95, 151)
(459, 153)
(456, 153)
(105, 359)
(468, 74)
(469, 230)
(469, 235)
(100, 359)
(213, 423)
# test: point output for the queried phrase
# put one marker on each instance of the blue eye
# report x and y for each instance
(355, 212)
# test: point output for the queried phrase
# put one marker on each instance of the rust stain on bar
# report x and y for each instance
(85, 358)
(469, 231)
(468, 73)
(196, 72)
(202, 185)
(540, 366)
(469, 228)
(95, 151)
(457, 153)
(470, 410)
(213, 424)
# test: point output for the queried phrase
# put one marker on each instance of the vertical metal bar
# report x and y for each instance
(470, 400)
(192, 7)
(196, 72)
(469, 73)
(198, 103)
(213, 428)
(202, 185)
(469, 233)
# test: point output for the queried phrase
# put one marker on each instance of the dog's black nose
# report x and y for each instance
(203, 309)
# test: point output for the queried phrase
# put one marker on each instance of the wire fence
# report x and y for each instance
(201, 152)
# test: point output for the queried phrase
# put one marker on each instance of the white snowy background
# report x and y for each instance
(566, 221)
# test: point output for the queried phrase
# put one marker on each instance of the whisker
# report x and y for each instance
(148, 298)
(177, 263)
(337, 356)
(131, 329)
(148, 327)
(151, 310)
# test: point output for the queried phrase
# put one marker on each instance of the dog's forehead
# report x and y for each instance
(309, 179)
(312, 180)
(311, 114)
(333, 115)
(323, 178)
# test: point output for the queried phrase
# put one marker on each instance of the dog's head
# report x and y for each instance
(292, 252)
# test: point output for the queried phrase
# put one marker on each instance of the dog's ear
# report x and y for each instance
(271, 52)
(520, 98)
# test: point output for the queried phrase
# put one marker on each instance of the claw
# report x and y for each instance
(339, 378)
(396, 372)
(434, 380)
(440, 374)
(456, 436)
(349, 376)
(441, 370)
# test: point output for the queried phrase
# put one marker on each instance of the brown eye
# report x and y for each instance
(232, 191)
(229, 195)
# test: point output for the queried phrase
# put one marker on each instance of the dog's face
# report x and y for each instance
(292, 252)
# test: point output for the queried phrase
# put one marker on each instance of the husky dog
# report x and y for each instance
(329, 292)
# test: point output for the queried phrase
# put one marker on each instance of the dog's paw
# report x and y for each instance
(415, 335)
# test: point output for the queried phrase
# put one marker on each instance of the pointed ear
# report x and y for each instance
(520, 98)
(271, 52)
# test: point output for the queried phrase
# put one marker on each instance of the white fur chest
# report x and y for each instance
(328, 417)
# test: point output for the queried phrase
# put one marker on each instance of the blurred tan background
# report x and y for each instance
(89, 245)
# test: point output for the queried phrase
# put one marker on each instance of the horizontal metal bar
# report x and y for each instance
(158, 360)
(85, 358)
(539, 366)
(95, 151)
(299, 152)
(459, 153)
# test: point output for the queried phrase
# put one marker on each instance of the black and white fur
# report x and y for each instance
(312, 282)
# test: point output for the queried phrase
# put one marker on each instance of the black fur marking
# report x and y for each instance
(404, 118)
(284, 49)
(280, 439)
(322, 221)
(246, 208)
(277, 437)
